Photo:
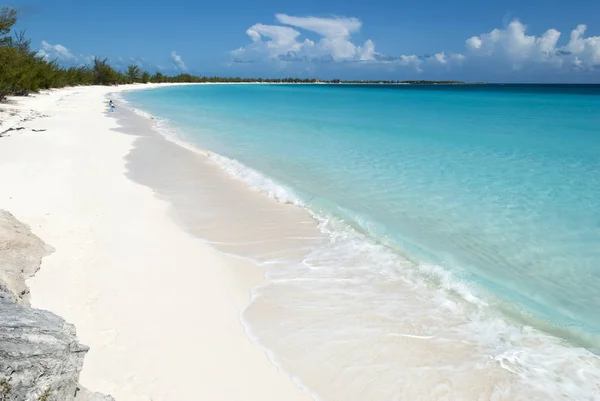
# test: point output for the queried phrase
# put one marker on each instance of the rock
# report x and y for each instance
(21, 254)
(86, 395)
(40, 356)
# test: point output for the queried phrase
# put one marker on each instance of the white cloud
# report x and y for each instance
(444, 59)
(62, 55)
(410, 61)
(178, 61)
(55, 52)
(283, 43)
(584, 51)
(328, 27)
(278, 39)
(474, 43)
(547, 42)
(367, 51)
(512, 45)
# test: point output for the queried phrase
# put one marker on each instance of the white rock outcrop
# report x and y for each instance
(40, 356)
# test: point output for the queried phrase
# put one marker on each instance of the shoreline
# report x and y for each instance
(500, 365)
(158, 307)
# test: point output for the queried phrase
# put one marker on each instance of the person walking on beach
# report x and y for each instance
(111, 105)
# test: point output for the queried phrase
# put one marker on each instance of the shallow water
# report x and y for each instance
(450, 222)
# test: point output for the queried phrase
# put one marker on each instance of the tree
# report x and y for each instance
(20, 42)
(158, 78)
(8, 18)
(134, 73)
(145, 78)
(9, 59)
(104, 73)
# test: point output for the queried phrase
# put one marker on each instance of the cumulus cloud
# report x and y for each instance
(62, 55)
(444, 59)
(283, 42)
(582, 51)
(410, 61)
(55, 52)
(336, 34)
(514, 46)
(178, 61)
(367, 51)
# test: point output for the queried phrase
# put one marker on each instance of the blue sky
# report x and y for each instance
(511, 41)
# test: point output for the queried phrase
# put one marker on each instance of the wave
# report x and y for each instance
(257, 181)
(336, 222)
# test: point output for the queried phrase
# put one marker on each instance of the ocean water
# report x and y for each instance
(463, 215)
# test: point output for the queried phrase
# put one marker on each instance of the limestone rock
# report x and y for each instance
(21, 253)
(86, 395)
(40, 356)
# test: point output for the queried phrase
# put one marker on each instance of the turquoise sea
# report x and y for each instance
(490, 191)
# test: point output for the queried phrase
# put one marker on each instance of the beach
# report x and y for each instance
(159, 308)
(258, 268)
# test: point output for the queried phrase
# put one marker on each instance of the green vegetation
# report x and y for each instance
(134, 73)
(23, 71)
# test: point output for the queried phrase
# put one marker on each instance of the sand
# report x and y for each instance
(158, 307)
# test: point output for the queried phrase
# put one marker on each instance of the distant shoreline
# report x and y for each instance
(373, 83)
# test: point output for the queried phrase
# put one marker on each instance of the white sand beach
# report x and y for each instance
(158, 307)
